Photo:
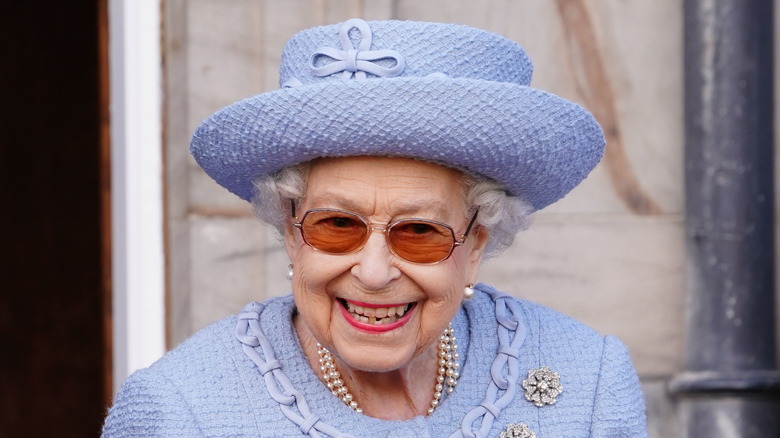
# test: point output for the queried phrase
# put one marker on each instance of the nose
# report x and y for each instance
(374, 266)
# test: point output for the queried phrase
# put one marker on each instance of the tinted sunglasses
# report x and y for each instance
(421, 241)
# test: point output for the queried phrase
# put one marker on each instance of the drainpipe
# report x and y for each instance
(731, 386)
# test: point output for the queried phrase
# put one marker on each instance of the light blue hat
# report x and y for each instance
(444, 93)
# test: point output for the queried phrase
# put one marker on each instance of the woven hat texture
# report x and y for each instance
(444, 93)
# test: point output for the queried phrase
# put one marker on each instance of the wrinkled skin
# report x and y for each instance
(391, 374)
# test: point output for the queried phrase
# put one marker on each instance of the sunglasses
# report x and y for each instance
(419, 241)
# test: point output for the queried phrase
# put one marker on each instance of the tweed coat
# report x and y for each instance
(229, 378)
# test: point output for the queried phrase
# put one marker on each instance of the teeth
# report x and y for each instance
(377, 315)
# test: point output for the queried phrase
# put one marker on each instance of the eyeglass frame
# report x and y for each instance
(371, 226)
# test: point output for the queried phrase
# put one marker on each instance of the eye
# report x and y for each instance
(341, 222)
(420, 228)
(328, 221)
(414, 228)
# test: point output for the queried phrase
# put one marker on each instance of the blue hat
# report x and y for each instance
(444, 93)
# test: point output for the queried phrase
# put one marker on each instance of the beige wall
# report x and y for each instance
(611, 254)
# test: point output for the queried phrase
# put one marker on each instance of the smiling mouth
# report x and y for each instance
(376, 315)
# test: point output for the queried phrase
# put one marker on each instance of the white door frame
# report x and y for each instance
(138, 268)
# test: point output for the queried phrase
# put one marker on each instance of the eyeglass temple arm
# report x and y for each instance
(468, 229)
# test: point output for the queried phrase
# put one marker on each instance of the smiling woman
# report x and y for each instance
(424, 296)
(391, 162)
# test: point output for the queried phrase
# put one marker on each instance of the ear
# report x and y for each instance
(289, 239)
(479, 238)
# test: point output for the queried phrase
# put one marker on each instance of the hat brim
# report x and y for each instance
(538, 145)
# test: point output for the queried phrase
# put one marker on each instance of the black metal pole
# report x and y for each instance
(731, 387)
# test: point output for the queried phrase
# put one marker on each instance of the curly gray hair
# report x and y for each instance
(503, 215)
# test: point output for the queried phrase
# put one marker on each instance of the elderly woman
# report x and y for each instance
(396, 156)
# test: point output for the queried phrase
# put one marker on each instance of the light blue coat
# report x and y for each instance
(213, 384)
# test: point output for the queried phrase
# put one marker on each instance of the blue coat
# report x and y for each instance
(246, 376)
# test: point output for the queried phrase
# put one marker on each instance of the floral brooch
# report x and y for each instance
(517, 431)
(542, 387)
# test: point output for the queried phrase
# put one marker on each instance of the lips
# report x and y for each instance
(376, 318)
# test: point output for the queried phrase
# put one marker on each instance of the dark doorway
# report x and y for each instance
(54, 371)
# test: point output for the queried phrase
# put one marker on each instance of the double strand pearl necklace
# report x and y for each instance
(446, 378)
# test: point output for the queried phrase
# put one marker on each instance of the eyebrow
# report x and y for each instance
(401, 207)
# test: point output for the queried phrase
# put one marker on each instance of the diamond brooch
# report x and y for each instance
(517, 431)
(542, 387)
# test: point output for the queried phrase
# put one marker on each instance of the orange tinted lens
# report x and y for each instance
(421, 241)
(335, 232)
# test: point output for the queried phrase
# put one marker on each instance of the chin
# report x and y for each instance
(369, 360)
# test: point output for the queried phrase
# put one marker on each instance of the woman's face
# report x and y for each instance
(329, 290)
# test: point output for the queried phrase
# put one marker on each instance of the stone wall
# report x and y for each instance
(610, 254)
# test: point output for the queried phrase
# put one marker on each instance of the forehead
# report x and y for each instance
(395, 183)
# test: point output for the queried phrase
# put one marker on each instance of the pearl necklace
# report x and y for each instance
(447, 373)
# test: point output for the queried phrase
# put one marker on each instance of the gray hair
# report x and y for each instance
(503, 215)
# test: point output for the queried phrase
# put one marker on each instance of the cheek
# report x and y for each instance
(457, 269)
(308, 272)
(443, 290)
(443, 286)
(315, 306)
(313, 275)
(446, 287)
(309, 282)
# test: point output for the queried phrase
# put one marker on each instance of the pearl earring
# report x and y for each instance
(289, 272)
(468, 291)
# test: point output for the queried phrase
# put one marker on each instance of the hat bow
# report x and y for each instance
(356, 62)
